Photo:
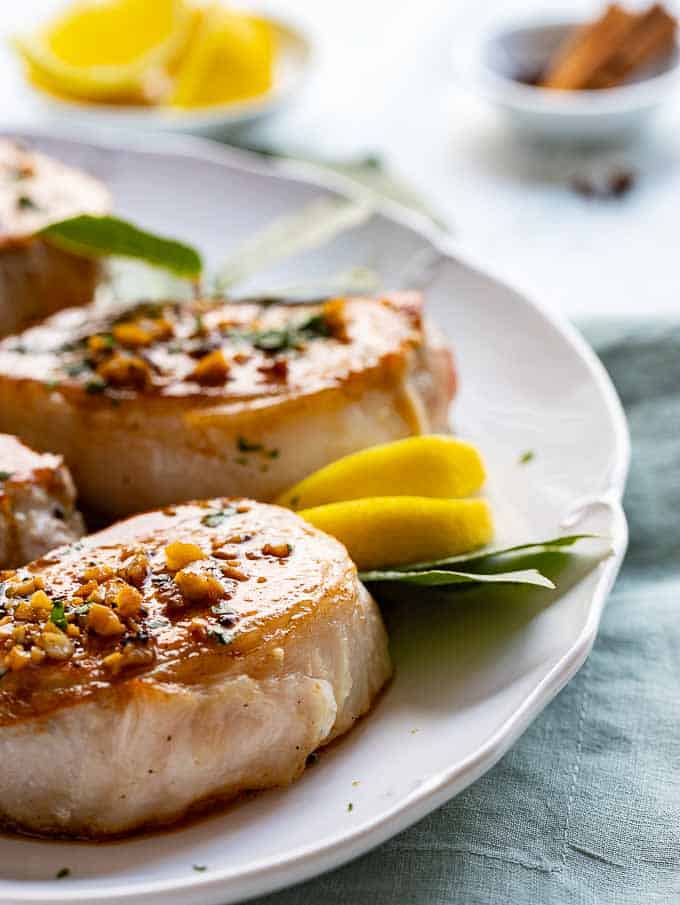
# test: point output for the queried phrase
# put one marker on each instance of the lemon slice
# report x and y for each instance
(109, 50)
(231, 58)
(395, 531)
(434, 466)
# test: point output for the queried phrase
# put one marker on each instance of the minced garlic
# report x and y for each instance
(178, 555)
(24, 586)
(17, 658)
(102, 620)
(55, 644)
(196, 587)
(128, 601)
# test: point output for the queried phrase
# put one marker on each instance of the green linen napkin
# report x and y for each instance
(585, 808)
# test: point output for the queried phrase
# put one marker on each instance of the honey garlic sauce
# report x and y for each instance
(213, 351)
(248, 573)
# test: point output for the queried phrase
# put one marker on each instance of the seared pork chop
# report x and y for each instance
(177, 658)
(36, 278)
(182, 401)
(37, 504)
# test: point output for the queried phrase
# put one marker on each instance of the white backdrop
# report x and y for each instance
(384, 83)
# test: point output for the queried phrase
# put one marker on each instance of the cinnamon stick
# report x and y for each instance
(588, 49)
(652, 37)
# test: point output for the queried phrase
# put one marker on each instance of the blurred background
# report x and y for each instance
(398, 83)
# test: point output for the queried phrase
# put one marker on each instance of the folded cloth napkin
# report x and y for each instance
(585, 808)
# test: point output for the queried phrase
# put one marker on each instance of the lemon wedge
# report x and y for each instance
(432, 466)
(107, 51)
(397, 530)
(230, 58)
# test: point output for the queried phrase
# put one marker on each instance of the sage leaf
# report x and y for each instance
(92, 236)
(441, 577)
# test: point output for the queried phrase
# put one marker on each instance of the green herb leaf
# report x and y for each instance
(290, 337)
(57, 615)
(25, 203)
(92, 236)
(470, 560)
(213, 519)
(94, 387)
(5, 475)
(63, 872)
(246, 446)
(527, 457)
(441, 577)
(75, 370)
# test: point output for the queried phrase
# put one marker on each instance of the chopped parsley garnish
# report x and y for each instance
(350, 806)
(274, 340)
(199, 867)
(221, 635)
(527, 457)
(317, 325)
(246, 446)
(63, 872)
(57, 616)
(213, 519)
(292, 336)
(93, 387)
(24, 203)
(77, 369)
(5, 475)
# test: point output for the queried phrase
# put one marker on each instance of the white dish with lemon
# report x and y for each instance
(185, 66)
(468, 678)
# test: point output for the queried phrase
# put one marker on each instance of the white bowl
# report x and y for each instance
(495, 66)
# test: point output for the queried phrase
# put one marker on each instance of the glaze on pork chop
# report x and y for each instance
(177, 658)
(178, 401)
(36, 278)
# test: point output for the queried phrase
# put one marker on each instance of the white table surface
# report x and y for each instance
(383, 83)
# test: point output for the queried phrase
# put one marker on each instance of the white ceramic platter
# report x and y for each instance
(469, 678)
(294, 59)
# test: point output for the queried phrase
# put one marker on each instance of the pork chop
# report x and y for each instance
(36, 278)
(177, 401)
(175, 659)
(37, 504)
